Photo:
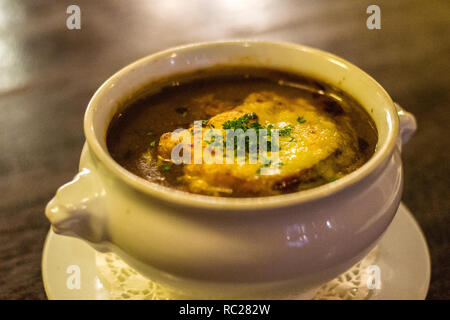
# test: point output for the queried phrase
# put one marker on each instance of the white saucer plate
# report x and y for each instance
(402, 258)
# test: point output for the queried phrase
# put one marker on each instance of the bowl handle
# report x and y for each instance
(78, 208)
(408, 125)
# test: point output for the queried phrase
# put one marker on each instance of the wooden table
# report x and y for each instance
(48, 74)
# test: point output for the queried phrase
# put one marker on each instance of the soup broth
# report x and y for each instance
(324, 134)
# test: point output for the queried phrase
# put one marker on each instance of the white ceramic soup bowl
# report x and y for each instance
(214, 247)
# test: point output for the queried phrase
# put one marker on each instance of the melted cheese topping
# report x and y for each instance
(313, 139)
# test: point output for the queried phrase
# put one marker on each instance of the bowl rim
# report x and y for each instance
(184, 198)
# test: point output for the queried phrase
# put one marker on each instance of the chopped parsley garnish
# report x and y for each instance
(213, 139)
(286, 131)
(153, 143)
(250, 121)
(242, 122)
(166, 168)
(268, 164)
(246, 122)
(301, 120)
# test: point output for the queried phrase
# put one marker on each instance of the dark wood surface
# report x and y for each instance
(48, 74)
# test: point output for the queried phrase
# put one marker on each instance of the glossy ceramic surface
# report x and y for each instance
(401, 255)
